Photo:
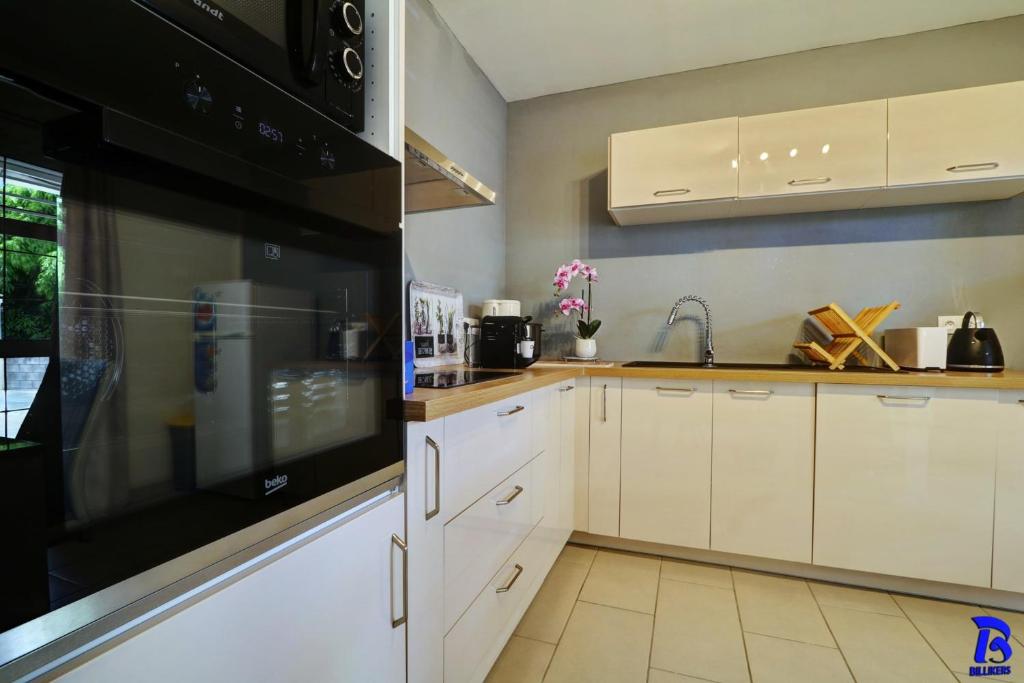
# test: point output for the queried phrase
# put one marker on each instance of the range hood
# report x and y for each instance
(434, 182)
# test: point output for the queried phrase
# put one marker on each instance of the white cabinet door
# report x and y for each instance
(666, 461)
(905, 481)
(322, 612)
(1008, 544)
(581, 448)
(683, 163)
(763, 469)
(813, 150)
(567, 455)
(957, 135)
(605, 440)
(424, 453)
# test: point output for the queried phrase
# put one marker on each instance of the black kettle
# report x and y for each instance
(974, 348)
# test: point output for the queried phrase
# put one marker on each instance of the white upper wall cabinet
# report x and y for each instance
(813, 150)
(957, 135)
(952, 146)
(685, 163)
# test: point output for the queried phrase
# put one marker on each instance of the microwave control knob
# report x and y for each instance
(346, 20)
(198, 97)
(346, 67)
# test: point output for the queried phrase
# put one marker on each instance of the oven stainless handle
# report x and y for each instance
(430, 513)
(397, 542)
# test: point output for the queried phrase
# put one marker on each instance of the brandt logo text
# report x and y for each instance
(275, 484)
(213, 11)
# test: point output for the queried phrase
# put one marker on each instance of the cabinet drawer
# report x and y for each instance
(904, 481)
(957, 135)
(479, 540)
(763, 469)
(475, 641)
(813, 150)
(483, 447)
(683, 163)
(1008, 543)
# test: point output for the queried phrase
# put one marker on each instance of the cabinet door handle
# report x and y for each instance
(810, 181)
(604, 404)
(506, 413)
(751, 392)
(970, 168)
(511, 582)
(437, 479)
(687, 390)
(401, 545)
(888, 397)
(672, 193)
(510, 497)
(568, 388)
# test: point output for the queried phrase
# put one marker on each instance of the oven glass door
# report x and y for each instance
(178, 365)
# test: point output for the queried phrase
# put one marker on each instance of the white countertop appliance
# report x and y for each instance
(917, 348)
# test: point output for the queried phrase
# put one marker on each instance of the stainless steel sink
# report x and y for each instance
(740, 366)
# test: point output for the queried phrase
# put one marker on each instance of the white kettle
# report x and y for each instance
(496, 307)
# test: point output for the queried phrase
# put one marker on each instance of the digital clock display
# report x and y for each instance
(270, 132)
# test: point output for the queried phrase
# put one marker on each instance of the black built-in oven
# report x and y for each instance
(315, 49)
(200, 316)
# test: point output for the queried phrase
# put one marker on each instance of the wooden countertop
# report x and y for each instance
(428, 404)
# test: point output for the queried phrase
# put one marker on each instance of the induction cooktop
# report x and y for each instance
(448, 378)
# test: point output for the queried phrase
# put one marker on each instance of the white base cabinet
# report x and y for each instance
(1008, 543)
(490, 506)
(321, 612)
(905, 481)
(762, 481)
(666, 461)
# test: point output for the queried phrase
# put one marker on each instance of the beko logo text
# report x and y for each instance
(212, 10)
(275, 484)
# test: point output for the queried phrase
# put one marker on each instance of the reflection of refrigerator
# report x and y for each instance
(244, 335)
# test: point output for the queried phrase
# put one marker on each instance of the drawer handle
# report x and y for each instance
(568, 388)
(672, 193)
(970, 168)
(604, 404)
(511, 582)
(510, 497)
(437, 479)
(506, 413)
(687, 390)
(402, 546)
(751, 392)
(810, 181)
(888, 397)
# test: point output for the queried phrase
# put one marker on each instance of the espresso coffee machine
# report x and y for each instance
(509, 341)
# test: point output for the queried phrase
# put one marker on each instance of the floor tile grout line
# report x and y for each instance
(739, 616)
(695, 583)
(676, 673)
(926, 641)
(790, 640)
(621, 609)
(571, 612)
(654, 619)
(839, 647)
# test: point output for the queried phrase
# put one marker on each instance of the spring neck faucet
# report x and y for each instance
(709, 349)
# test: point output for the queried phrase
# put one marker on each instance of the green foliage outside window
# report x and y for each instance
(30, 266)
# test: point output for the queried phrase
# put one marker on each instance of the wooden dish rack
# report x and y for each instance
(848, 334)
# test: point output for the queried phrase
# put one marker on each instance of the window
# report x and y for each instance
(30, 217)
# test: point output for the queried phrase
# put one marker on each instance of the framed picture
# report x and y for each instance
(435, 320)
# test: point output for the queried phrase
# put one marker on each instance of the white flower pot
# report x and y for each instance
(586, 348)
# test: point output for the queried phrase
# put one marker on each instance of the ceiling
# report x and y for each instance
(530, 48)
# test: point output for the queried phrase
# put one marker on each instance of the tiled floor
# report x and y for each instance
(606, 616)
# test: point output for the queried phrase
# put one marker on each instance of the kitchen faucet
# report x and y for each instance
(709, 349)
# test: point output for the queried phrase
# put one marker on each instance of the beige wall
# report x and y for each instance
(760, 274)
